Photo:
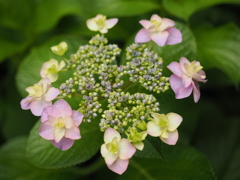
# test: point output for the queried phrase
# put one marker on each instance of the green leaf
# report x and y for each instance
(185, 8)
(29, 71)
(12, 124)
(219, 48)
(218, 138)
(12, 42)
(232, 171)
(36, 16)
(187, 48)
(42, 153)
(14, 164)
(183, 163)
(16, 14)
(118, 7)
(153, 148)
(49, 12)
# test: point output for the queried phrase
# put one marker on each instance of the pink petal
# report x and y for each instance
(145, 23)
(68, 121)
(153, 129)
(111, 22)
(109, 134)
(196, 92)
(73, 133)
(104, 30)
(138, 145)
(142, 36)
(178, 88)
(172, 138)
(25, 103)
(59, 134)
(46, 131)
(175, 68)
(126, 149)
(166, 23)
(46, 112)
(200, 76)
(187, 81)
(77, 117)
(64, 144)
(38, 106)
(51, 94)
(91, 24)
(45, 83)
(174, 121)
(109, 157)
(119, 166)
(156, 17)
(183, 61)
(160, 38)
(61, 109)
(174, 37)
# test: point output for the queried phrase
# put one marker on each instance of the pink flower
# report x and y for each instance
(100, 23)
(40, 96)
(116, 151)
(60, 124)
(185, 77)
(160, 30)
(165, 127)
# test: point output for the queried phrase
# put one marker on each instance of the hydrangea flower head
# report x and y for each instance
(116, 151)
(51, 68)
(40, 96)
(185, 78)
(60, 49)
(100, 23)
(165, 127)
(160, 30)
(60, 124)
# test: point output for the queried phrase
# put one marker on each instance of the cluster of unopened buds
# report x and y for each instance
(97, 77)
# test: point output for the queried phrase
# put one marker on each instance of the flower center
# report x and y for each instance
(112, 147)
(38, 90)
(60, 124)
(52, 69)
(163, 123)
(192, 68)
(155, 25)
(100, 21)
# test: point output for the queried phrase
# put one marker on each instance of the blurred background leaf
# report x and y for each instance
(14, 164)
(219, 48)
(185, 8)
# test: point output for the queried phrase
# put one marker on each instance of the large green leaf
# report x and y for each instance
(49, 12)
(185, 8)
(219, 48)
(232, 171)
(16, 14)
(36, 16)
(218, 138)
(153, 148)
(183, 163)
(118, 7)
(29, 71)
(12, 42)
(14, 164)
(12, 124)
(42, 153)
